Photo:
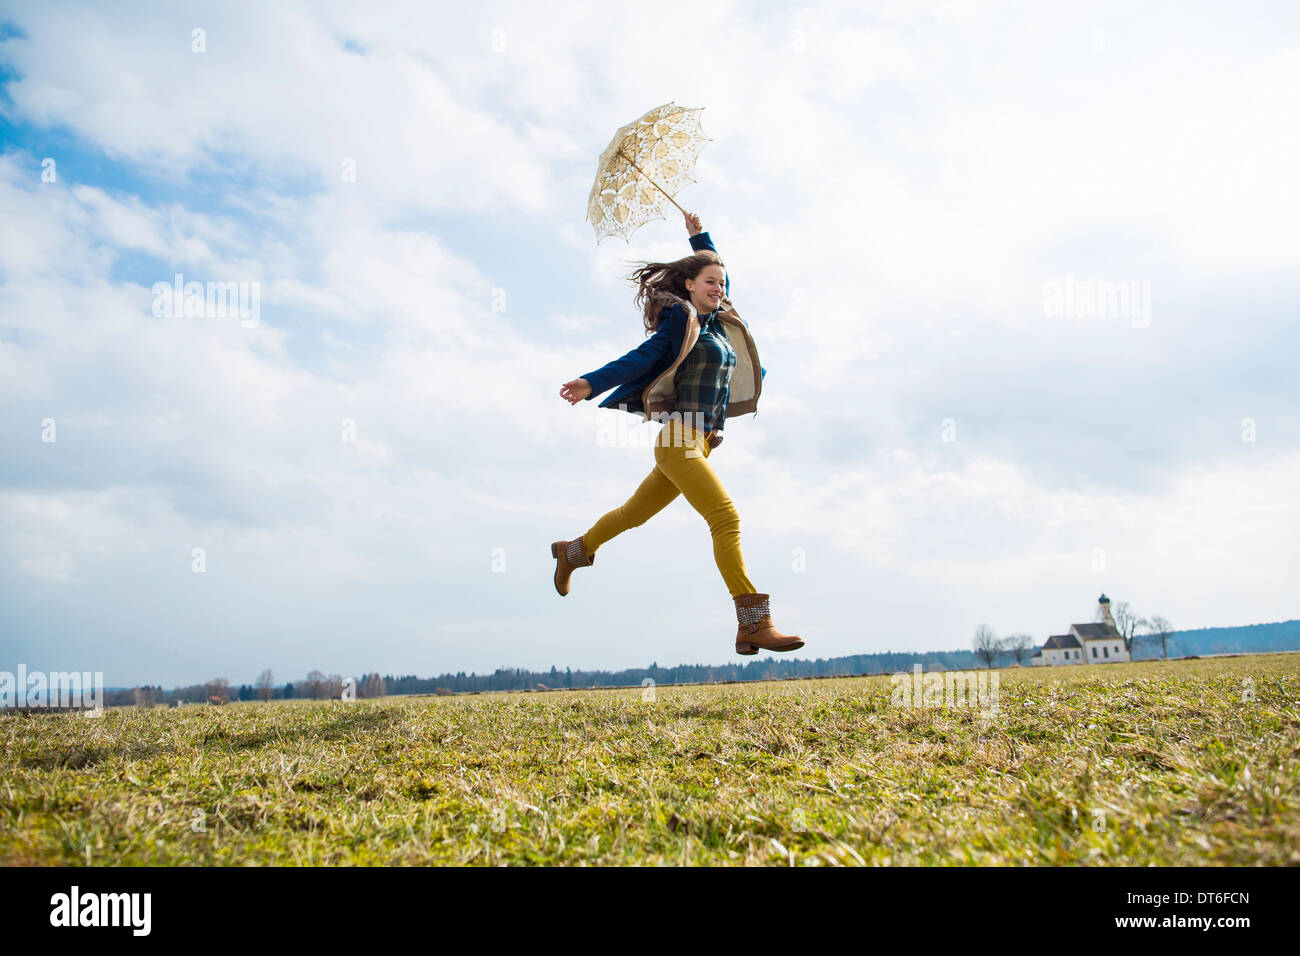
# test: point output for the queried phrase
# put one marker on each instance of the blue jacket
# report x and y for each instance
(642, 367)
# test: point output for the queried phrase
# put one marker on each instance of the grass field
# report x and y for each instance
(1160, 762)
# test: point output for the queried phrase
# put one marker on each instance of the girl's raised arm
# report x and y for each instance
(700, 240)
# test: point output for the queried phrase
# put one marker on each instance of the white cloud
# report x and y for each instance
(58, 568)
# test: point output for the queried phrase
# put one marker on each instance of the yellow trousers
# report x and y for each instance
(682, 468)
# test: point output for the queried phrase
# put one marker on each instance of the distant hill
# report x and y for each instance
(1249, 638)
(1282, 636)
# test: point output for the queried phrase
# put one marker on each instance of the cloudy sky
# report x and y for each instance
(922, 208)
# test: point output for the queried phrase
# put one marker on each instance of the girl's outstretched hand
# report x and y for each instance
(693, 224)
(575, 391)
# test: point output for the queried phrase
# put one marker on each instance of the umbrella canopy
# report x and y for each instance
(648, 160)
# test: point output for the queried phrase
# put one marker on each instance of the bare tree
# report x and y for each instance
(265, 680)
(1127, 621)
(145, 697)
(372, 685)
(217, 687)
(314, 684)
(1017, 646)
(1159, 629)
(986, 645)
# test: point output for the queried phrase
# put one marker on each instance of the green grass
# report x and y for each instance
(1181, 769)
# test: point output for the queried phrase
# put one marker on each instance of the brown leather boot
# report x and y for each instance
(756, 630)
(569, 555)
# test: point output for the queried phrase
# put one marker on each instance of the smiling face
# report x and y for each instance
(707, 288)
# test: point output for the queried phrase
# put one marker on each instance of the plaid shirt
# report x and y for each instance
(704, 377)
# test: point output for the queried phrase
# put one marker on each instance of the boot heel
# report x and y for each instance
(555, 549)
(746, 648)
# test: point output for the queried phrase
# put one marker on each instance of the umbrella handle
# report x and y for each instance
(651, 181)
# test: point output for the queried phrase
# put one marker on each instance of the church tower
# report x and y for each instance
(1104, 602)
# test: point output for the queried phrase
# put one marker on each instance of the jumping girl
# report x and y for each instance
(683, 375)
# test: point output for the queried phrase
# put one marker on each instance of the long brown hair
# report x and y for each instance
(661, 283)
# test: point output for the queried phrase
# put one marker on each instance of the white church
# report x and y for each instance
(1099, 643)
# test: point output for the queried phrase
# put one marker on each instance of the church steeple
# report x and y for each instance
(1105, 610)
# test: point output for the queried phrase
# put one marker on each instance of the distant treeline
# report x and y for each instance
(1253, 638)
(515, 679)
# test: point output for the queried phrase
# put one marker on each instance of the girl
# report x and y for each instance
(684, 374)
